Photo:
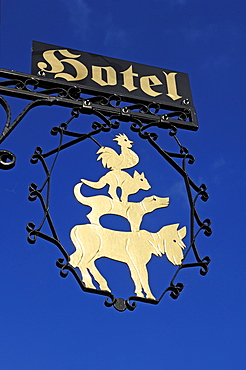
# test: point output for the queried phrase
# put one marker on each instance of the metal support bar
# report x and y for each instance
(111, 110)
(43, 91)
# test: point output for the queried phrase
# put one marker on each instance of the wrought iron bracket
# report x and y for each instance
(110, 110)
(42, 91)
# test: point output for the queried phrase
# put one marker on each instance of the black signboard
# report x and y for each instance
(111, 75)
(96, 73)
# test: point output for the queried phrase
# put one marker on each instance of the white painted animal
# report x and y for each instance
(133, 248)
(120, 179)
(132, 211)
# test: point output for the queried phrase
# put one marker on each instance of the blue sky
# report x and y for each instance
(47, 322)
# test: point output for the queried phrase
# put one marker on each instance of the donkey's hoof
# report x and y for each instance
(89, 285)
(150, 296)
(106, 288)
(139, 294)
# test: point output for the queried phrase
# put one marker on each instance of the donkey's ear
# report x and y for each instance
(136, 174)
(182, 232)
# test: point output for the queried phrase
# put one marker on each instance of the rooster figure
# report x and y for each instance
(114, 161)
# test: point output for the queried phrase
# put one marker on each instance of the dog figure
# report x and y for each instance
(132, 211)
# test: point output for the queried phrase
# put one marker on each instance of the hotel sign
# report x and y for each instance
(133, 81)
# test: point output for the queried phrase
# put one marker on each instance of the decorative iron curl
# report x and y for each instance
(145, 132)
(47, 92)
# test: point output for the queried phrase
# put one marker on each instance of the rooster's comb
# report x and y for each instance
(120, 136)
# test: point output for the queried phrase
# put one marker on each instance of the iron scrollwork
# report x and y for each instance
(41, 91)
(142, 129)
(110, 111)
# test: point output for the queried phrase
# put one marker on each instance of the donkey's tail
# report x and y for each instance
(78, 195)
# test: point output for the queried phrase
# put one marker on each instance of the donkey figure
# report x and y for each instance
(133, 248)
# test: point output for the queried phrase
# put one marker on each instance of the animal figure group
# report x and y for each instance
(135, 248)
(132, 211)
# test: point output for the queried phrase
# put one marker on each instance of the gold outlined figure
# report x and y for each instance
(132, 211)
(120, 179)
(135, 248)
(116, 178)
(114, 161)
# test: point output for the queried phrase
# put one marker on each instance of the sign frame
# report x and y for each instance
(131, 82)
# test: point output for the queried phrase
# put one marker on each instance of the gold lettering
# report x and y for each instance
(98, 77)
(57, 65)
(128, 79)
(147, 81)
(171, 85)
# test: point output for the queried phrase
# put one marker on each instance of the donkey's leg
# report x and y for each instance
(83, 265)
(98, 277)
(86, 277)
(75, 258)
(144, 278)
(135, 278)
(134, 273)
(139, 262)
(78, 259)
